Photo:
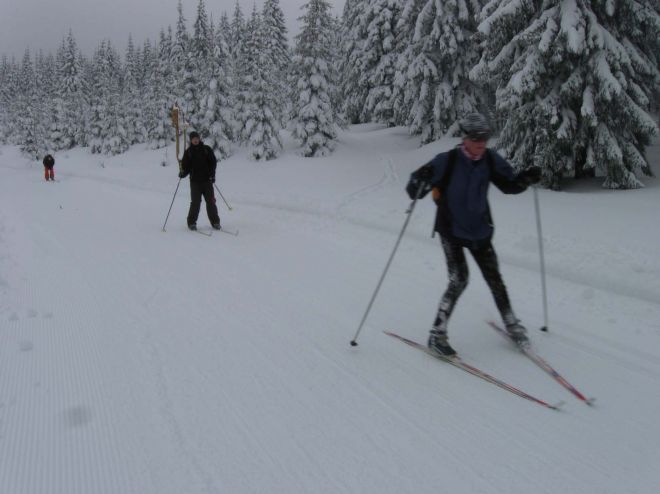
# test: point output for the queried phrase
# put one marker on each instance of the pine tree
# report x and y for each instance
(44, 100)
(161, 96)
(276, 50)
(237, 42)
(133, 90)
(575, 81)
(217, 125)
(26, 107)
(67, 126)
(260, 123)
(179, 53)
(313, 113)
(108, 126)
(443, 50)
(82, 129)
(5, 98)
(196, 77)
(379, 56)
(353, 39)
(402, 97)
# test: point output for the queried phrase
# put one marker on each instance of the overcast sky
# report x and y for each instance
(41, 24)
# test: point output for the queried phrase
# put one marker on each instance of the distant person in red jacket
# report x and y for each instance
(49, 165)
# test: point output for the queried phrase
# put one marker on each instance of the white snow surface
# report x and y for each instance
(134, 360)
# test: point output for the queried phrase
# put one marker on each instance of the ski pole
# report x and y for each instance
(168, 212)
(223, 197)
(382, 277)
(542, 259)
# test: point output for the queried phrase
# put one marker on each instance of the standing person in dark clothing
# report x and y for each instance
(49, 165)
(200, 163)
(458, 181)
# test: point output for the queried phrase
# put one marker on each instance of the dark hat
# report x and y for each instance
(194, 134)
(475, 127)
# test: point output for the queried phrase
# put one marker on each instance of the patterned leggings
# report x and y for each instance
(457, 269)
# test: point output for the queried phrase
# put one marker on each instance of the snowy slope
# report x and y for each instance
(138, 361)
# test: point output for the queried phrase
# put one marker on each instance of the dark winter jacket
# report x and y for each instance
(199, 162)
(49, 161)
(463, 211)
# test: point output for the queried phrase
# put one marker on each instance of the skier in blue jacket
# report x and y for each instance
(458, 181)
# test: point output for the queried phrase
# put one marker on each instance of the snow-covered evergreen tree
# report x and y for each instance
(161, 94)
(402, 97)
(196, 74)
(108, 127)
(26, 109)
(314, 116)
(336, 97)
(179, 53)
(82, 135)
(260, 122)
(44, 100)
(133, 99)
(5, 98)
(379, 56)
(443, 51)
(574, 81)
(224, 44)
(67, 128)
(237, 42)
(276, 49)
(217, 123)
(353, 39)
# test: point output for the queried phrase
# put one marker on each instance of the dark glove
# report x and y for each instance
(530, 176)
(425, 173)
(212, 180)
(182, 174)
(420, 177)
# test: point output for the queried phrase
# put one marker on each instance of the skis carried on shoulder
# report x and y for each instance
(457, 362)
(534, 357)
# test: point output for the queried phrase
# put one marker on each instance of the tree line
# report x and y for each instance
(570, 85)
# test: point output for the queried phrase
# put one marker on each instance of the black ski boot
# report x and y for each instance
(518, 334)
(193, 226)
(216, 226)
(439, 343)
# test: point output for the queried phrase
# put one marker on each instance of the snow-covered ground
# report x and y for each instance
(138, 361)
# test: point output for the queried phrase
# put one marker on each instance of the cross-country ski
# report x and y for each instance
(530, 353)
(458, 362)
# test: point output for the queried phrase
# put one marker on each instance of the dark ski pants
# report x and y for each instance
(49, 173)
(457, 270)
(197, 190)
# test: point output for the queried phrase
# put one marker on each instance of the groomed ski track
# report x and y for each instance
(137, 361)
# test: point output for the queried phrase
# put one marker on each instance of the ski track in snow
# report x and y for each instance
(133, 360)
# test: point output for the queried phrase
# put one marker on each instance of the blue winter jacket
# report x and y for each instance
(463, 210)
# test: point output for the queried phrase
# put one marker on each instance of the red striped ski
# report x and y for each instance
(457, 362)
(534, 357)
